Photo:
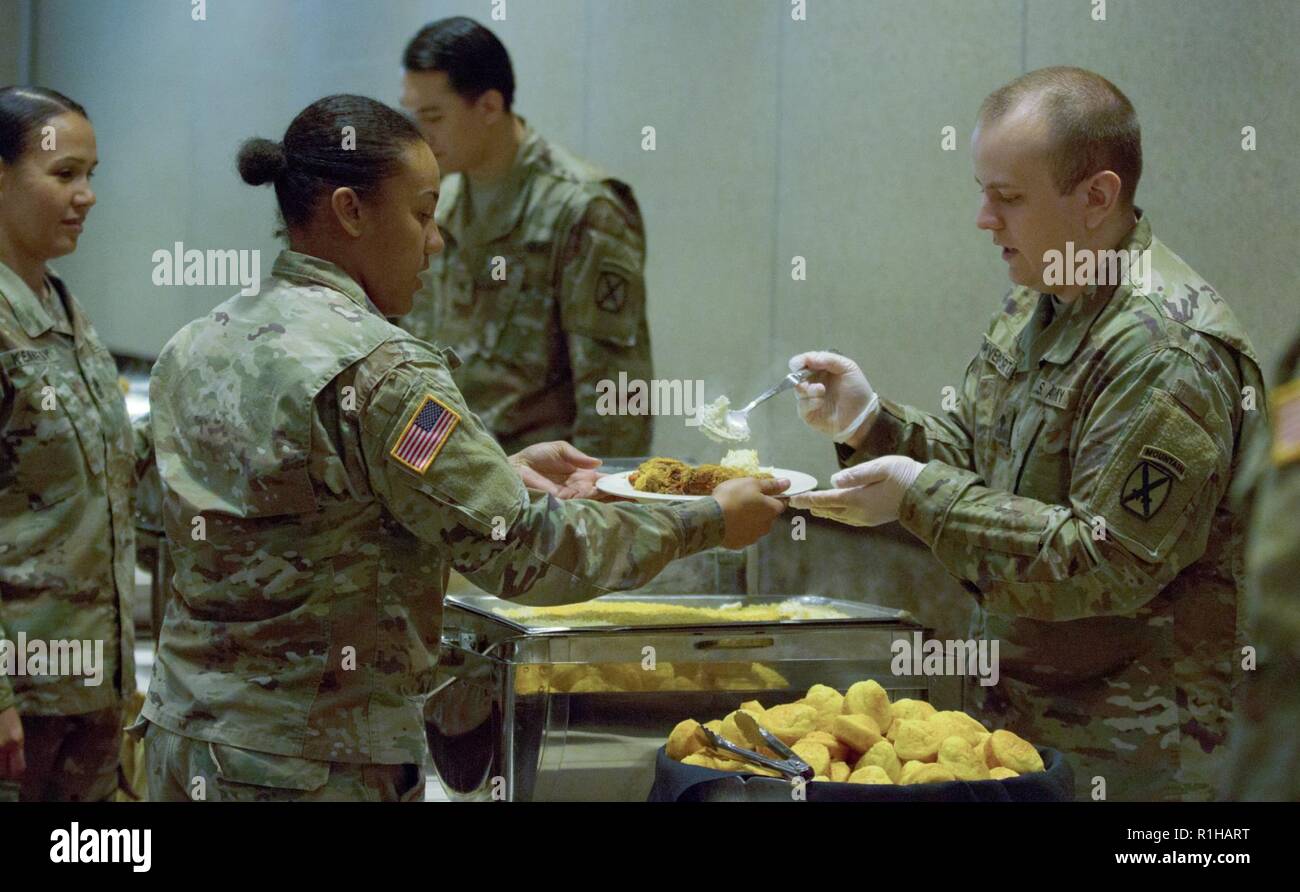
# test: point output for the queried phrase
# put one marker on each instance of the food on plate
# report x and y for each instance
(744, 460)
(672, 477)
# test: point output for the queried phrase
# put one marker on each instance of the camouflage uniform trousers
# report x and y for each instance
(234, 774)
(1147, 747)
(70, 758)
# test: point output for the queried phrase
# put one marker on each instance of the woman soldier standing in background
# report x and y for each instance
(67, 466)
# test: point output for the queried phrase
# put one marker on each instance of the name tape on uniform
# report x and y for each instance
(15, 358)
(1053, 394)
(1004, 362)
(425, 434)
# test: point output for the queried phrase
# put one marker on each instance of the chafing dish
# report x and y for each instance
(529, 708)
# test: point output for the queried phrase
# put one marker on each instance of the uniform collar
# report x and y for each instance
(1069, 328)
(28, 309)
(297, 267)
(504, 214)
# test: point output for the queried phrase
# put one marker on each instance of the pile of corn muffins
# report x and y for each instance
(860, 737)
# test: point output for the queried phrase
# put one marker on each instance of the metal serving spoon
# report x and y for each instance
(734, 428)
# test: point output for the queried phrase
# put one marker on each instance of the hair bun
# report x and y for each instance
(261, 161)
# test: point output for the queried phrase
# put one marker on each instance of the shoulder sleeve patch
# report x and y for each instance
(1162, 463)
(603, 283)
(424, 434)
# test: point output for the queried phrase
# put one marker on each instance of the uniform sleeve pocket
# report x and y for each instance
(236, 765)
(605, 297)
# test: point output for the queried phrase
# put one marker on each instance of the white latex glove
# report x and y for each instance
(837, 400)
(866, 495)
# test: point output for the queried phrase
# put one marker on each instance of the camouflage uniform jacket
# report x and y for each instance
(542, 297)
(1078, 490)
(67, 466)
(313, 526)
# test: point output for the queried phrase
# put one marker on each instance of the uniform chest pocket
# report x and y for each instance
(41, 441)
(469, 306)
(75, 402)
(523, 310)
(527, 338)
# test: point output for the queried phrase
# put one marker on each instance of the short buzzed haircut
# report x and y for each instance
(1092, 125)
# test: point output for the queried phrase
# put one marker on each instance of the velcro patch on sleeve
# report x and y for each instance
(1163, 461)
(424, 435)
(606, 299)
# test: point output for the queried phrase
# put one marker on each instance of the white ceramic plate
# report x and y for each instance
(618, 485)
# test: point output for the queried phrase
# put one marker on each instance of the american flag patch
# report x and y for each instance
(1286, 423)
(425, 433)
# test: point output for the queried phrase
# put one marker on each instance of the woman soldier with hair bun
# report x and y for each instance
(68, 459)
(322, 475)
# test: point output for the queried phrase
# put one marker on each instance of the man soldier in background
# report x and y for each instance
(540, 289)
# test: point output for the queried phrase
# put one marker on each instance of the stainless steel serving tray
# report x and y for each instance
(853, 612)
(487, 725)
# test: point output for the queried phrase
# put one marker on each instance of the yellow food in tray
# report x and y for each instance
(672, 477)
(860, 737)
(580, 678)
(646, 613)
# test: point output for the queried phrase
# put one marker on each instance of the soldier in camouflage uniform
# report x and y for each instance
(1265, 755)
(322, 475)
(68, 458)
(540, 289)
(1078, 488)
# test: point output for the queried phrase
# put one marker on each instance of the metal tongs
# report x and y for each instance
(790, 766)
